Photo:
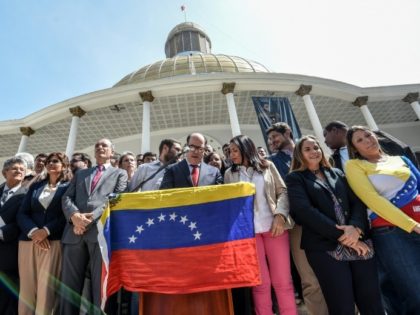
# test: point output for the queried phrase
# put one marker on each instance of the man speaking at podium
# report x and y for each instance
(190, 172)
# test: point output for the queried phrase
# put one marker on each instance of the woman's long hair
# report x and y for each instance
(298, 162)
(353, 153)
(66, 174)
(248, 152)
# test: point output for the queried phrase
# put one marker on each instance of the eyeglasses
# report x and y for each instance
(196, 148)
(54, 161)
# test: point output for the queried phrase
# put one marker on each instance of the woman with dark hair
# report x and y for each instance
(214, 159)
(128, 163)
(389, 186)
(42, 221)
(271, 213)
(334, 231)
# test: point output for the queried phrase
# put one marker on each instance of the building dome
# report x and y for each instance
(195, 63)
(188, 52)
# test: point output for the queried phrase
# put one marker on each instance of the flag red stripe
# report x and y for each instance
(185, 270)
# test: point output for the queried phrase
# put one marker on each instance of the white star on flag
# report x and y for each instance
(197, 235)
(132, 239)
(139, 229)
(150, 222)
(161, 217)
(172, 216)
(183, 219)
(193, 225)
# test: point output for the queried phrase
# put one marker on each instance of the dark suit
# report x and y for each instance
(179, 175)
(79, 250)
(311, 205)
(32, 213)
(9, 250)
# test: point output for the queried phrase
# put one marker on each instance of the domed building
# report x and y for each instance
(196, 90)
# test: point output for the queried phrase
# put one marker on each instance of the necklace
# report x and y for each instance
(316, 172)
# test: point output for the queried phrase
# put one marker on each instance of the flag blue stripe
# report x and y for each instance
(184, 226)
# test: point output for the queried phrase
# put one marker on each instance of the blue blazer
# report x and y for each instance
(312, 206)
(33, 215)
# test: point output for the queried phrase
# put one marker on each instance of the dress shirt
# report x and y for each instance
(92, 176)
(263, 216)
(344, 155)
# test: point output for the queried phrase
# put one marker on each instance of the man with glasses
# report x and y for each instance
(191, 171)
(11, 197)
(83, 205)
(149, 175)
(80, 161)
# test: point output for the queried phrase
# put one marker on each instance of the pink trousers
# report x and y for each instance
(274, 258)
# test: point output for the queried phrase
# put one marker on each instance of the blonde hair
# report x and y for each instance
(298, 161)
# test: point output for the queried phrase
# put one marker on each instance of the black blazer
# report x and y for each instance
(33, 215)
(311, 205)
(178, 176)
(9, 245)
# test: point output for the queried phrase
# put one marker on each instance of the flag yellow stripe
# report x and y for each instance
(183, 196)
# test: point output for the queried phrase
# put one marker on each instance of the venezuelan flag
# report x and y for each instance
(180, 240)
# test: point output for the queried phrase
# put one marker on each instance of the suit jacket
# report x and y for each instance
(9, 245)
(79, 198)
(32, 213)
(282, 162)
(311, 205)
(178, 176)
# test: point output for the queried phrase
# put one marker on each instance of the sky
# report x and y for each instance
(55, 50)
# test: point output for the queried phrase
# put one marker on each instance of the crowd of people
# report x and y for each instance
(349, 224)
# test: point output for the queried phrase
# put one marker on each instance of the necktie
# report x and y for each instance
(97, 177)
(337, 159)
(194, 175)
(5, 196)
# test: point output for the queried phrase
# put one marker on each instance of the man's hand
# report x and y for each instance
(79, 230)
(81, 220)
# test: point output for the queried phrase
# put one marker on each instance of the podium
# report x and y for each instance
(203, 303)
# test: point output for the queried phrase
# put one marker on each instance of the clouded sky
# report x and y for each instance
(55, 50)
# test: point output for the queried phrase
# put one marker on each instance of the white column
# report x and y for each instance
(227, 90)
(147, 98)
(77, 112)
(26, 133)
(304, 91)
(412, 99)
(361, 102)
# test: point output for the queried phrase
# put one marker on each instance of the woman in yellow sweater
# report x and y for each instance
(389, 186)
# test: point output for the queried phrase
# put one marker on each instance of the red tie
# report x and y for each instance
(194, 175)
(97, 177)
